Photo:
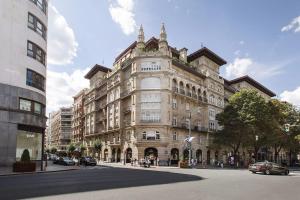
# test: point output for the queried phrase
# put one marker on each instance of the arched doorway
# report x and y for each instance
(105, 155)
(113, 155)
(174, 156)
(128, 155)
(151, 154)
(216, 157)
(199, 155)
(185, 154)
(119, 155)
(208, 157)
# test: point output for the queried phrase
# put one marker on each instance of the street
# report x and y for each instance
(156, 183)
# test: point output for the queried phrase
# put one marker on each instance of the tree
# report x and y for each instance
(53, 150)
(232, 135)
(82, 149)
(254, 113)
(98, 147)
(25, 156)
(71, 149)
(244, 122)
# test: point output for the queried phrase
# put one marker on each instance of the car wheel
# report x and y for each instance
(267, 172)
(286, 172)
(253, 172)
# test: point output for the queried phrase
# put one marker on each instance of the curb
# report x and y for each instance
(37, 172)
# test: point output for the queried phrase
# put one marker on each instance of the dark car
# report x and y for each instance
(268, 168)
(64, 161)
(87, 160)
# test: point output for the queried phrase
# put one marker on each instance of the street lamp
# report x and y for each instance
(189, 139)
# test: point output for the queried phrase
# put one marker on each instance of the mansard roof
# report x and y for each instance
(254, 83)
(95, 69)
(204, 51)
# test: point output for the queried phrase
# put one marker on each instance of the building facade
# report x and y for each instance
(78, 118)
(95, 107)
(23, 37)
(154, 97)
(61, 128)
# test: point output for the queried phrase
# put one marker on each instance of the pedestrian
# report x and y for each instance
(222, 164)
(169, 160)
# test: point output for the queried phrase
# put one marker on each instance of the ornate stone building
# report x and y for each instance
(95, 106)
(78, 118)
(151, 97)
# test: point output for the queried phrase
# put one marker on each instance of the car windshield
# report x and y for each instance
(67, 158)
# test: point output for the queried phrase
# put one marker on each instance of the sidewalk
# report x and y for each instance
(6, 171)
(128, 165)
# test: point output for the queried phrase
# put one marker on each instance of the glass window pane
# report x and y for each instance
(30, 141)
(25, 105)
(37, 108)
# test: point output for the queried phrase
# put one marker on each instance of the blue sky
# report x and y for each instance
(259, 38)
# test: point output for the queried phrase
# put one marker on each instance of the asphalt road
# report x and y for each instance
(121, 183)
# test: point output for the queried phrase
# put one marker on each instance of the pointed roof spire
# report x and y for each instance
(163, 34)
(141, 36)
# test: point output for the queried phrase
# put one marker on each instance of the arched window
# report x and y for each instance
(212, 99)
(220, 101)
(174, 85)
(150, 83)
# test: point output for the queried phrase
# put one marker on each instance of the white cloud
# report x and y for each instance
(291, 96)
(61, 87)
(62, 44)
(237, 52)
(122, 14)
(294, 24)
(242, 42)
(246, 66)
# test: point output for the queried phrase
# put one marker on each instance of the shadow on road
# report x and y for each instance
(39, 185)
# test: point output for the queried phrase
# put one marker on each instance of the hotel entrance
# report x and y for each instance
(151, 154)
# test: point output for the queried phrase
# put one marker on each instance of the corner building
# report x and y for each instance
(153, 92)
(23, 37)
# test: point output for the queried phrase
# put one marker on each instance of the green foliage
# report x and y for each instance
(251, 121)
(53, 150)
(82, 148)
(71, 148)
(98, 145)
(25, 156)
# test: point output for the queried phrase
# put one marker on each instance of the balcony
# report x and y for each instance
(182, 91)
(127, 123)
(199, 98)
(175, 89)
(127, 110)
(150, 120)
(200, 128)
(189, 94)
(194, 96)
(125, 93)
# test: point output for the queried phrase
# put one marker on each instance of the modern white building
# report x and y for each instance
(23, 37)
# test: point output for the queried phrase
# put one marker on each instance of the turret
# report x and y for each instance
(163, 44)
(141, 38)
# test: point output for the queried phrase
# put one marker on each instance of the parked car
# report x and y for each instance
(268, 168)
(87, 160)
(64, 161)
(55, 159)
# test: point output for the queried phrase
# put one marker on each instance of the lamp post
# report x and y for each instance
(256, 149)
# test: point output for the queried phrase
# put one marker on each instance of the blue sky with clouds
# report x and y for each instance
(258, 38)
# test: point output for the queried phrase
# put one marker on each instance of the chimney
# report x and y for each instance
(183, 54)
